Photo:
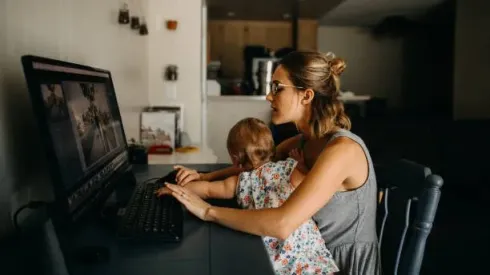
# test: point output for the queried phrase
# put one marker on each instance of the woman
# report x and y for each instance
(339, 191)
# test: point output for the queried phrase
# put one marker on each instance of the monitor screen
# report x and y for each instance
(81, 124)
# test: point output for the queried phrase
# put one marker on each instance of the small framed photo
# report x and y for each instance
(161, 125)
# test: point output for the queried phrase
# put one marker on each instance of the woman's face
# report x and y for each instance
(285, 101)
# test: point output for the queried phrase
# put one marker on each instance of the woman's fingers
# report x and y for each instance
(162, 191)
(191, 201)
(180, 198)
(175, 188)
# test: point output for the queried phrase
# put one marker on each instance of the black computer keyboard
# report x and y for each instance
(150, 217)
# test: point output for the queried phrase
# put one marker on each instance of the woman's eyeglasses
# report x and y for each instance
(276, 87)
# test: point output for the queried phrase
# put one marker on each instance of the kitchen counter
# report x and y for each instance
(235, 97)
(347, 99)
(224, 111)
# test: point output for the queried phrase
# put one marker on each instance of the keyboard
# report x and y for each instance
(150, 217)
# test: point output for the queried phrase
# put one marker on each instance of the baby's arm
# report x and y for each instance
(296, 177)
(222, 189)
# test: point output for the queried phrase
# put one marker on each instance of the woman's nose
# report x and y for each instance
(268, 97)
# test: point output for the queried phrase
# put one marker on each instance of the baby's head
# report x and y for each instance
(250, 143)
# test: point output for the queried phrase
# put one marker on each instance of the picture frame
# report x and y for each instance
(169, 119)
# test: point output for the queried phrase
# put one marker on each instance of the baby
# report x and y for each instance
(267, 184)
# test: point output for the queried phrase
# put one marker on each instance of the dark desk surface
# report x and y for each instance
(206, 248)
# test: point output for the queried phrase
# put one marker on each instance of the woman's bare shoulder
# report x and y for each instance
(344, 150)
(343, 147)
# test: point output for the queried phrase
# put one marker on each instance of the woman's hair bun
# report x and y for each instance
(337, 66)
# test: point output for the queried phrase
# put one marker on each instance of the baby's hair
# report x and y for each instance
(250, 142)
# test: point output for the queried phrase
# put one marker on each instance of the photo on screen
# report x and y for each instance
(54, 102)
(92, 120)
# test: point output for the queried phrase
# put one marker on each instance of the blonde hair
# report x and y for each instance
(250, 141)
(321, 73)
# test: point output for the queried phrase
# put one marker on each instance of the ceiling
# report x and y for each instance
(367, 12)
(267, 9)
(328, 12)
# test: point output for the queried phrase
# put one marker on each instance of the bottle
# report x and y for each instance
(135, 22)
(143, 27)
(124, 14)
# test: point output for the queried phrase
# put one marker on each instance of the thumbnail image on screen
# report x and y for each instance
(54, 102)
(96, 131)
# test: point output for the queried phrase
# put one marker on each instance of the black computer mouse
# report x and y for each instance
(93, 254)
(170, 178)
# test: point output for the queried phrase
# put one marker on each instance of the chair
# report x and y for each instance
(410, 197)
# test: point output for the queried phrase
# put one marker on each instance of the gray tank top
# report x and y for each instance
(348, 222)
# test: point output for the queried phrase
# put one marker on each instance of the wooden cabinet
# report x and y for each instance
(229, 37)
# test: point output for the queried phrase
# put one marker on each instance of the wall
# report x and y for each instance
(5, 188)
(374, 67)
(472, 60)
(182, 48)
(78, 31)
(235, 108)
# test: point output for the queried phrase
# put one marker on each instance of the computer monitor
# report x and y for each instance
(81, 127)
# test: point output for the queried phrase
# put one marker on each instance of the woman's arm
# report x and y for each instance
(336, 163)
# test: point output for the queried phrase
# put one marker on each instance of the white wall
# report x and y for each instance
(472, 60)
(182, 48)
(82, 31)
(224, 111)
(374, 67)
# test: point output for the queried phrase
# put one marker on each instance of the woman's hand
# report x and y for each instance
(191, 201)
(186, 175)
(162, 191)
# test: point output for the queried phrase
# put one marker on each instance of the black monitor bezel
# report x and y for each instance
(34, 88)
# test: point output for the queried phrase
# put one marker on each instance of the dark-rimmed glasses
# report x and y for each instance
(276, 87)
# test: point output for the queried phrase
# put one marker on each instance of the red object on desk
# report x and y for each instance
(160, 149)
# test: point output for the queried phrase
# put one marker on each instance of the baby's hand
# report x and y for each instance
(163, 191)
(297, 155)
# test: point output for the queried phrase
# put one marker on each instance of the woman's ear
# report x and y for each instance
(308, 96)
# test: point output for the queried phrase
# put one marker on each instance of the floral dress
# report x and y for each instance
(304, 251)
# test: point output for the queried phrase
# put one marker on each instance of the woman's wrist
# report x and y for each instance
(210, 214)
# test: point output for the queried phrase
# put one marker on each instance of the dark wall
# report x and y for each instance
(429, 61)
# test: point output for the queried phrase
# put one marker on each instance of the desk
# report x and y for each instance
(206, 248)
(204, 155)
